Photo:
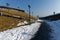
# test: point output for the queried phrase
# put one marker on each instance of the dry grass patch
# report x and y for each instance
(7, 23)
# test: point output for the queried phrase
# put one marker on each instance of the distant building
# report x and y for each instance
(4, 7)
(14, 12)
(52, 17)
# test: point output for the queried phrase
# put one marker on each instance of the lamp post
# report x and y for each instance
(18, 7)
(29, 12)
(54, 13)
(7, 4)
(32, 15)
(0, 11)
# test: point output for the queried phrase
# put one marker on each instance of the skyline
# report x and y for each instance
(38, 7)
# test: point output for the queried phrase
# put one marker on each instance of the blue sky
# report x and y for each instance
(38, 7)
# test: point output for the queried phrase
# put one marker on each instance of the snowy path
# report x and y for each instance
(20, 33)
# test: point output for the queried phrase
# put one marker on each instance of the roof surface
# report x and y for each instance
(11, 8)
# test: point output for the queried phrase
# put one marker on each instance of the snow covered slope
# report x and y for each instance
(55, 29)
(20, 33)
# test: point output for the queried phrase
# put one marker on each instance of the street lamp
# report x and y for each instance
(29, 12)
(18, 7)
(32, 15)
(7, 4)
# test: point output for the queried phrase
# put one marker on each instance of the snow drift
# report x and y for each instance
(20, 33)
(49, 30)
(55, 29)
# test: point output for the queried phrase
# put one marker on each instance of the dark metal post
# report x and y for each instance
(0, 11)
(29, 12)
(32, 15)
(7, 4)
(54, 13)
